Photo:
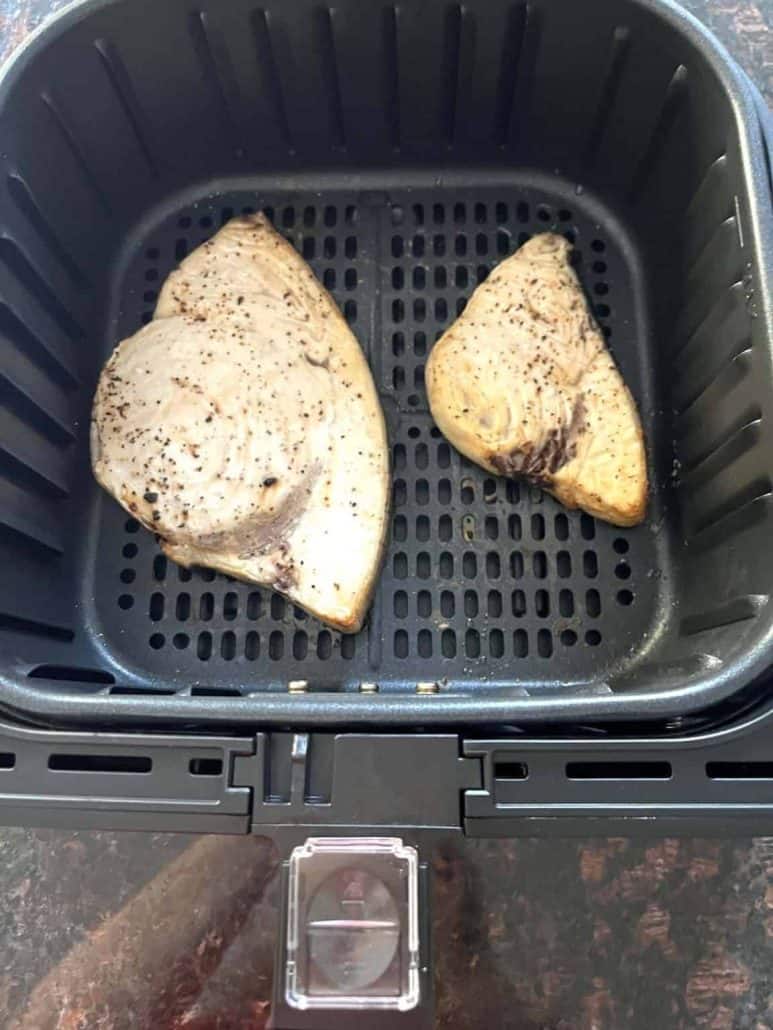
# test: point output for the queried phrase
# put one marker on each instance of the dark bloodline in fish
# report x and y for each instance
(540, 463)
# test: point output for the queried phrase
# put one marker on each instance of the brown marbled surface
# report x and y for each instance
(114, 931)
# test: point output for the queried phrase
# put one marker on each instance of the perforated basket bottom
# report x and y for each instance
(486, 582)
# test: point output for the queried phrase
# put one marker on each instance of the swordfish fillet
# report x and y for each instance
(523, 384)
(243, 427)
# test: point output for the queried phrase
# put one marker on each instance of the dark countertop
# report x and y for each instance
(124, 930)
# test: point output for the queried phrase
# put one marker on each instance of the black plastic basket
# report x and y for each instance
(404, 149)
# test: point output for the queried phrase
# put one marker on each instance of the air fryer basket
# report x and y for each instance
(404, 149)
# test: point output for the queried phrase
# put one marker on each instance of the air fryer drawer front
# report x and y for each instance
(290, 786)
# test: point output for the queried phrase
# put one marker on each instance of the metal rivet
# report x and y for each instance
(298, 686)
(427, 688)
(369, 688)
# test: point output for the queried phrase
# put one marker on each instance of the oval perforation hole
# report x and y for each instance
(590, 565)
(472, 643)
(300, 645)
(228, 646)
(593, 603)
(448, 643)
(544, 643)
(496, 643)
(324, 645)
(424, 643)
(252, 646)
(204, 646)
(276, 645)
(493, 565)
(520, 643)
(401, 644)
(446, 565)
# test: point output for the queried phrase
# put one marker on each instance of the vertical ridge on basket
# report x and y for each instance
(727, 479)
(670, 110)
(119, 79)
(215, 65)
(17, 624)
(452, 40)
(31, 398)
(751, 506)
(718, 340)
(52, 361)
(697, 445)
(326, 45)
(610, 88)
(726, 379)
(737, 609)
(22, 197)
(510, 59)
(726, 453)
(30, 517)
(16, 261)
(698, 310)
(391, 75)
(690, 386)
(269, 70)
(525, 78)
(76, 151)
(710, 204)
(29, 460)
(693, 335)
(719, 261)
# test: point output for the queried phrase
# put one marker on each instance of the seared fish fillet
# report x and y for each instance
(243, 427)
(523, 384)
